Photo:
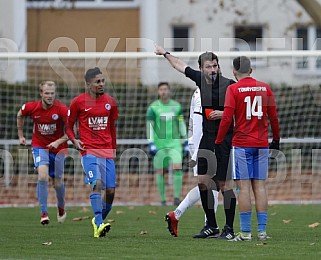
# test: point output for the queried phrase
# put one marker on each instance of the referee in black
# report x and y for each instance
(212, 161)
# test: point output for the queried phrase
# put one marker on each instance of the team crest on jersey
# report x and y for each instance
(108, 106)
(54, 116)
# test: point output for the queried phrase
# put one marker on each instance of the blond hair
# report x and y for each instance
(48, 83)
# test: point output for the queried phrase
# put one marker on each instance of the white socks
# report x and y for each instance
(190, 199)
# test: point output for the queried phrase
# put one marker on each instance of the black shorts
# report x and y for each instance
(215, 164)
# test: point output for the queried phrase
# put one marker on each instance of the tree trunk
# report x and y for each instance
(313, 8)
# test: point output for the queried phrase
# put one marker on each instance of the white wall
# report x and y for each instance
(13, 38)
(213, 22)
(149, 34)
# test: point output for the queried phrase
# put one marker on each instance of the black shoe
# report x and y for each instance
(227, 233)
(176, 201)
(208, 232)
(164, 203)
(205, 226)
(202, 229)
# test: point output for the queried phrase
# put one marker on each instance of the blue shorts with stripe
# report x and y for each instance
(55, 162)
(97, 168)
(249, 163)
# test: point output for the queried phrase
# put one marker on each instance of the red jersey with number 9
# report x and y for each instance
(252, 103)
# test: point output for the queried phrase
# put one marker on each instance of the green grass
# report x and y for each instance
(22, 235)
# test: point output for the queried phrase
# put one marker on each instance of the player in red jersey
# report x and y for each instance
(49, 145)
(96, 113)
(251, 103)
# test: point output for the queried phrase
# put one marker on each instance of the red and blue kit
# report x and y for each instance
(252, 103)
(48, 124)
(96, 123)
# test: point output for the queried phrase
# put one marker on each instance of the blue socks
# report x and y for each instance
(245, 221)
(261, 221)
(60, 194)
(106, 208)
(42, 192)
(96, 204)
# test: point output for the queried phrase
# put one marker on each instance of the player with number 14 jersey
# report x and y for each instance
(255, 104)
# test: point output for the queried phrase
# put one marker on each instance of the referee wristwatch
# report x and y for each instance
(166, 54)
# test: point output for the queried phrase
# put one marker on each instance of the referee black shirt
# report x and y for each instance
(212, 97)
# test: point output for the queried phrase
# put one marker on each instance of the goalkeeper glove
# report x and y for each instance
(185, 149)
(152, 149)
(191, 163)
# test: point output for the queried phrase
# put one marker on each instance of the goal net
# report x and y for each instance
(132, 78)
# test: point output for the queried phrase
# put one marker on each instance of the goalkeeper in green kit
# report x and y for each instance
(166, 129)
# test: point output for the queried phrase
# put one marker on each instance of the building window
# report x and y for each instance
(64, 4)
(248, 38)
(308, 38)
(180, 38)
(79, 0)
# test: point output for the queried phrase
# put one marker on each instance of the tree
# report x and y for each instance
(313, 8)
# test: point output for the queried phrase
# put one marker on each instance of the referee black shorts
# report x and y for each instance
(216, 164)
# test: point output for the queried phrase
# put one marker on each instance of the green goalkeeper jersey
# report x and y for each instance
(165, 124)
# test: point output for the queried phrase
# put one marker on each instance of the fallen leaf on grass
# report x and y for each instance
(312, 244)
(131, 207)
(287, 221)
(110, 220)
(119, 212)
(314, 225)
(83, 210)
(138, 219)
(261, 244)
(152, 212)
(143, 232)
(273, 213)
(77, 219)
(81, 218)
(47, 243)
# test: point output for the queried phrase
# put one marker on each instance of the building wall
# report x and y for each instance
(212, 25)
(45, 26)
(216, 19)
(12, 39)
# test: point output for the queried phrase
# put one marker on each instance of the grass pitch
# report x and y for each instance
(140, 233)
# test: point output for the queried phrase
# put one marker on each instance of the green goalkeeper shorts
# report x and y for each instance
(163, 156)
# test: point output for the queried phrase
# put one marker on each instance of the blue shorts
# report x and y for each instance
(97, 168)
(249, 163)
(56, 162)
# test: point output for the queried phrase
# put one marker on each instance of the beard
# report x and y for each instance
(211, 78)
